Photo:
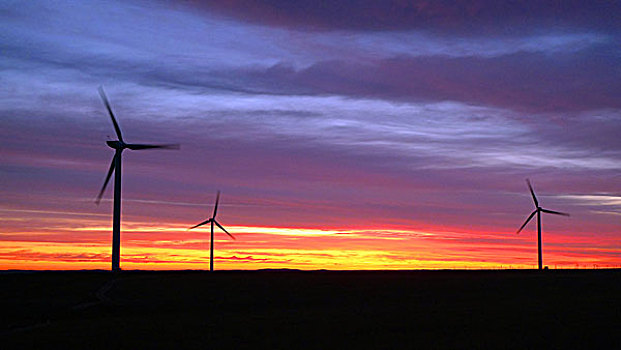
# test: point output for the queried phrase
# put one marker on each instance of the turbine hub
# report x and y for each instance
(116, 144)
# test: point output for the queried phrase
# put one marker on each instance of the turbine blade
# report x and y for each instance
(103, 188)
(201, 224)
(530, 187)
(215, 208)
(554, 212)
(527, 220)
(222, 228)
(136, 146)
(116, 125)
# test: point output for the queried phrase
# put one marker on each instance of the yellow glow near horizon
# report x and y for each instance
(149, 246)
(67, 256)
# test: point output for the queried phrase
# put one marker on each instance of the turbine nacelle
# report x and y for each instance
(120, 145)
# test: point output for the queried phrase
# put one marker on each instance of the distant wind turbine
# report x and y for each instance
(538, 211)
(212, 221)
(115, 167)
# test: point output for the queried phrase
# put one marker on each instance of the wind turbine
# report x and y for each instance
(538, 211)
(212, 221)
(119, 146)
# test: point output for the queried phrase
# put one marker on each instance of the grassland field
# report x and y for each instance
(289, 309)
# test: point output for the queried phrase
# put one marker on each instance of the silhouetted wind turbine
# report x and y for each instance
(213, 221)
(538, 211)
(115, 167)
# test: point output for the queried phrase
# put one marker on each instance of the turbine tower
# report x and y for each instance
(538, 211)
(212, 221)
(119, 146)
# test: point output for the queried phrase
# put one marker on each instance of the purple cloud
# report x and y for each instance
(464, 17)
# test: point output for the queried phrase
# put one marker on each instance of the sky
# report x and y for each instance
(343, 135)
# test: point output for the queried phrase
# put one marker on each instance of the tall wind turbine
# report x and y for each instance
(119, 146)
(538, 211)
(212, 221)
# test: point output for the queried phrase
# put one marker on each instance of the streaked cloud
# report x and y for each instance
(598, 203)
(462, 18)
(602, 200)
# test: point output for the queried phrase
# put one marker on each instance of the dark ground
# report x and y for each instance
(555, 309)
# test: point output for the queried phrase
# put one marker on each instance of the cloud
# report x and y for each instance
(607, 204)
(464, 17)
(33, 255)
(244, 258)
(525, 82)
(534, 73)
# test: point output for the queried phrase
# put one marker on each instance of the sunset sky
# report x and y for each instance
(343, 134)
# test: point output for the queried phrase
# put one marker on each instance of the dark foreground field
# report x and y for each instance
(322, 309)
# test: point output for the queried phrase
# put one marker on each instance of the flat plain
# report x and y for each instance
(289, 309)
